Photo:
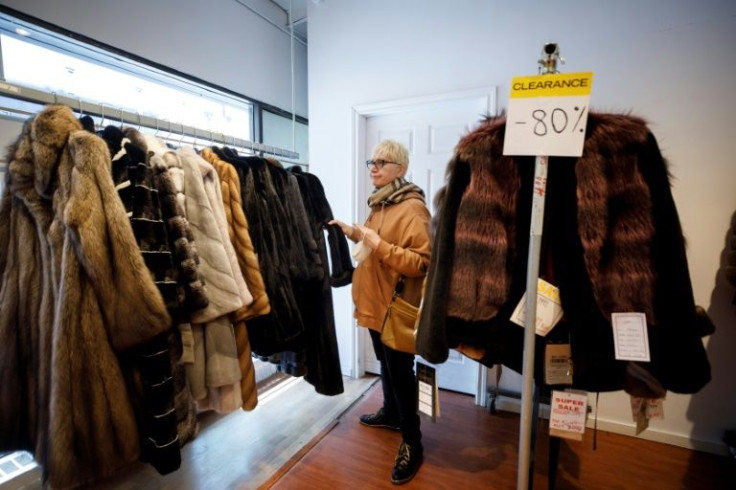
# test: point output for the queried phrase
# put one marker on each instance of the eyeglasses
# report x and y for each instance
(377, 163)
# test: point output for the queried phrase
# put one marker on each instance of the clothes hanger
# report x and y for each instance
(102, 117)
(181, 138)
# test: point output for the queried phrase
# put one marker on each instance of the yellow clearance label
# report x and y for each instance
(557, 85)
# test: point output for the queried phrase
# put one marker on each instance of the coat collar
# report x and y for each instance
(36, 155)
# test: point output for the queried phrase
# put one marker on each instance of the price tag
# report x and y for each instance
(549, 308)
(568, 411)
(547, 114)
(557, 364)
(630, 340)
(428, 399)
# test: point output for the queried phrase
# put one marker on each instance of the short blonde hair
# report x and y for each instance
(393, 151)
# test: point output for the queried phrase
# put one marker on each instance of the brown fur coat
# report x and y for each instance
(74, 291)
(612, 243)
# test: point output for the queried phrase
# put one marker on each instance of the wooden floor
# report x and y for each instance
(469, 448)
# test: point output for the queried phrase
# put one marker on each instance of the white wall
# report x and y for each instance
(219, 41)
(671, 62)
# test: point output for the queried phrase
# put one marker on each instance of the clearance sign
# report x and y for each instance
(547, 114)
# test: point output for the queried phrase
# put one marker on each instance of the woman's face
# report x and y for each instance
(384, 174)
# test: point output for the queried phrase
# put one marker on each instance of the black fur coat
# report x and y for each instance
(612, 243)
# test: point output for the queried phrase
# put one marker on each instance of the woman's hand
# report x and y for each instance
(370, 237)
(346, 229)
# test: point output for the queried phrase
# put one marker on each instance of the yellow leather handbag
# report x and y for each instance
(399, 324)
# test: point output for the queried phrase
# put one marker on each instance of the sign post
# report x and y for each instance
(547, 115)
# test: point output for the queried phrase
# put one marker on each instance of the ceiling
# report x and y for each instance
(299, 15)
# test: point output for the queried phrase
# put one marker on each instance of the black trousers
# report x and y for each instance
(399, 389)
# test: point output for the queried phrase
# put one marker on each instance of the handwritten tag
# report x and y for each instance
(655, 408)
(547, 114)
(645, 409)
(568, 411)
(630, 339)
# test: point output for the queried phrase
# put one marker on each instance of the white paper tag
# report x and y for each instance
(428, 401)
(630, 339)
(549, 308)
(568, 411)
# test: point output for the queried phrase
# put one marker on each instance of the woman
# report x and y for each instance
(397, 236)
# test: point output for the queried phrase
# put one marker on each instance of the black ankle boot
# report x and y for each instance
(379, 419)
(407, 463)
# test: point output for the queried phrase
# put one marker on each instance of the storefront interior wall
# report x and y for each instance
(671, 62)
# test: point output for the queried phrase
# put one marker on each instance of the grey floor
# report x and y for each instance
(242, 450)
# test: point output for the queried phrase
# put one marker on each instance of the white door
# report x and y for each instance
(429, 128)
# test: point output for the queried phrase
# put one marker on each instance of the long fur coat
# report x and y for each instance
(214, 375)
(612, 243)
(240, 236)
(75, 290)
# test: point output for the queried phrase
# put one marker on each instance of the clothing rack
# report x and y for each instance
(172, 131)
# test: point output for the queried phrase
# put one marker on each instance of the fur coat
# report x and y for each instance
(613, 243)
(280, 255)
(322, 357)
(148, 368)
(214, 373)
(248, 262)
(191, 291)
(75, 290)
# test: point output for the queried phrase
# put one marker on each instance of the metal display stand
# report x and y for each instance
(113, 115)
(548, 65)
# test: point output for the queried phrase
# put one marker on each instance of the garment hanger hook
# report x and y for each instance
(102, 116)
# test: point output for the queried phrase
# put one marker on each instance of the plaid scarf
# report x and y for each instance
(394, 192)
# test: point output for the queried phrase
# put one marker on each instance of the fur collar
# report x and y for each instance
(615, 237)
(35, 156)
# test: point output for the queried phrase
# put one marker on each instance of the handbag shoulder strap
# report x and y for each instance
(399, 288)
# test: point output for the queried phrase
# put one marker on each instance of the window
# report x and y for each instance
(64, 74)
(277, 132)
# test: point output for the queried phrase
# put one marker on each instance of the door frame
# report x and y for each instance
(360, 114)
